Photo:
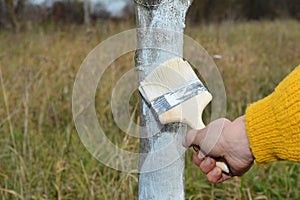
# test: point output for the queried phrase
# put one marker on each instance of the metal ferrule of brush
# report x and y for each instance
(178, 95)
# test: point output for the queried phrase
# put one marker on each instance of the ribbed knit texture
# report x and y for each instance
(273, 123)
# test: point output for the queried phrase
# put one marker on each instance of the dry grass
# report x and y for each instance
(41, 156)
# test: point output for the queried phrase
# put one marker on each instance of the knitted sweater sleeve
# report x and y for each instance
(273, 123)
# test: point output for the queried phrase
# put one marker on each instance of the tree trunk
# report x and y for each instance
(86, 10)
(12, 15)
(160, 26)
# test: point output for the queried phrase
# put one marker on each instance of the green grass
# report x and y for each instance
(41, 155)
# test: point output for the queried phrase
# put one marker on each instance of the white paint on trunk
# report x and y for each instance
(165, 183)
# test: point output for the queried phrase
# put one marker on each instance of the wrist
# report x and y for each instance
(262, 131)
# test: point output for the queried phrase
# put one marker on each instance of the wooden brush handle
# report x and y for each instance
(223, 166)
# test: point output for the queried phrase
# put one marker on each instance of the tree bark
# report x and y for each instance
(160, 26)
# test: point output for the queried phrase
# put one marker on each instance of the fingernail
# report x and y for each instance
(201, 156)
(216, 171)
(208, 161)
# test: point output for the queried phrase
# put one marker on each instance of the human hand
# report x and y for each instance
(224, 140)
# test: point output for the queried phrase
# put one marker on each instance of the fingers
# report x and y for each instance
(208, 166)
(216, 176)
(224, 140)
(196, 160)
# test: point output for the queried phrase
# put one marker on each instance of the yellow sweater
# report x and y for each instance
(273, 123)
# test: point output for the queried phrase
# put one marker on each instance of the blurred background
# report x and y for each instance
(17, 13)
(255, 44)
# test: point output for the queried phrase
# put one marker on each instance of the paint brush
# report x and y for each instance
(177, 95)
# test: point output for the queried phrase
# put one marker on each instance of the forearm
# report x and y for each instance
(273, 123)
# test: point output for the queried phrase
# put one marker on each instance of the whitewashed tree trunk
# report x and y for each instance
(86, 10)
(160, 177)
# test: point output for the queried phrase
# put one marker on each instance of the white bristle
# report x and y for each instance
(168, 76)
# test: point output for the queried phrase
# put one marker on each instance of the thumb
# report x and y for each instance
(207, 137)
(194, 137)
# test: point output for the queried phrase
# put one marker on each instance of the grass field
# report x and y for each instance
(41, 155)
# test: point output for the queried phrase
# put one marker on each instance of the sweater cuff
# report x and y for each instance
(262, 132)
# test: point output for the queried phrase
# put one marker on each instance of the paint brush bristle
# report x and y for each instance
(176, 93)
(168, 76)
